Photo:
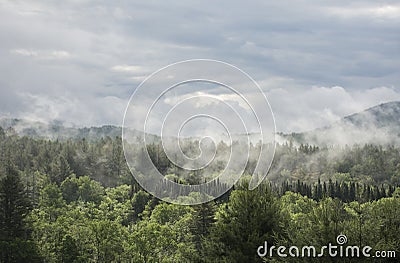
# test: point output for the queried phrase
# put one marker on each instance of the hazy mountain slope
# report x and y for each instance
(56, 130)
(377, 125)
(386, 115)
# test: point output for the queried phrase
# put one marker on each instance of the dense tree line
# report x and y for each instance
(103, 160)
(75, 201)
(345, 191)
(373, 164)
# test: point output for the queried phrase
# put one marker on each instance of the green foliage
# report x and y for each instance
(368, 163)
(106, 238)
(59, 169)
(245, 222)
(19, 251)
(75, 201)
(14, 205)
(139, 202)
(165, 236)
(82, 189)
(69, 250)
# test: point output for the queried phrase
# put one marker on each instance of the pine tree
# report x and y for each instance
(60, 170)
(331, 189)
(345, 192)
(14, 205)
(203, 219)
(352, 193)
(245, 222)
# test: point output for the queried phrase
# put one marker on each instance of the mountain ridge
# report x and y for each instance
(379, 124)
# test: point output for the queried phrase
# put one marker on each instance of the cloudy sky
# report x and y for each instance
(79, 61)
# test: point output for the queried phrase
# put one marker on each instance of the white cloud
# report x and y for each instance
(139, 78)
(58, 54)
(380, 12)
(25, 52)
(128, 69)
(223, 98)
(42, 54)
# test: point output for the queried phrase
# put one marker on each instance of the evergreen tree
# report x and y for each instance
(60, 170)
(249, 219)
(14, 205)
(203, 217)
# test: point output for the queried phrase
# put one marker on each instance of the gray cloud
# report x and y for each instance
(79, 61)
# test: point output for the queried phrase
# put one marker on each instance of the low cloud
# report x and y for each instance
(303, 110)
(73, 111)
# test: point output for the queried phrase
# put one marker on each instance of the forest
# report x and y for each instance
(75, 200)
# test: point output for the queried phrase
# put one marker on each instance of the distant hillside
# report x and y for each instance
(377, 125)
(385, 115)
(56, 130)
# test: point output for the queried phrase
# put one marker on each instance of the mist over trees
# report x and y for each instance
(76, 201)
